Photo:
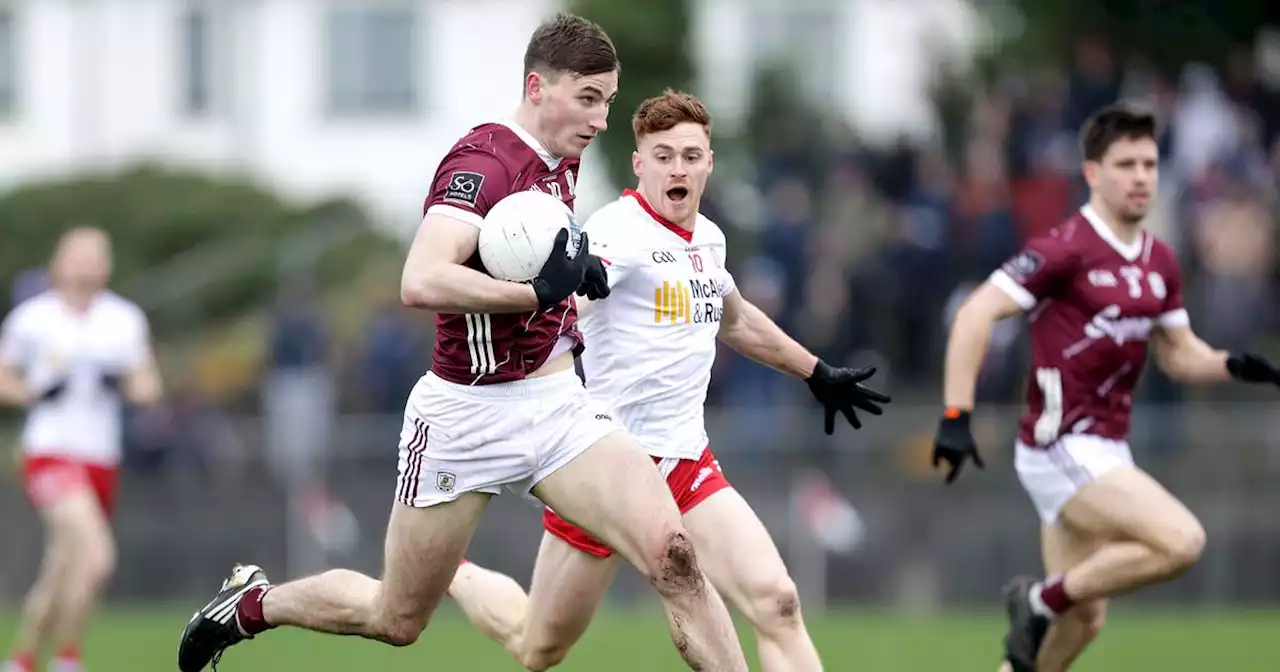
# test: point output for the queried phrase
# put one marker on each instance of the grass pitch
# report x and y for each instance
(131, 639)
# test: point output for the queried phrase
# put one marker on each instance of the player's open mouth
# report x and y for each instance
(677, 194)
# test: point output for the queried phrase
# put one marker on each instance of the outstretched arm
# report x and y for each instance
(1184, 356)
(746, 329)
(968, 342)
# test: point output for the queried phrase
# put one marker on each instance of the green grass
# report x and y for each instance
(141, 640)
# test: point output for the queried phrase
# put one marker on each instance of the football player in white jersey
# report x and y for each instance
(71, 356)
(649, 351)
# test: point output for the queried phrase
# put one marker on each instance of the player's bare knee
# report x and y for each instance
(401, 631)
(96, 563)
(1183, 547)
(775, 606)
(676, 569)
(543, 656)
(1092, 617)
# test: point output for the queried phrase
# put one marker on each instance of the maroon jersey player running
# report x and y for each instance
(502, 406)
(1098, 288)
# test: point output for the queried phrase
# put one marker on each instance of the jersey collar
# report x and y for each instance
(1129, 251)
(684, 233)
(527, 138)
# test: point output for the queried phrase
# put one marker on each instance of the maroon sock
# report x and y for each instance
(1054, 595)
(249, 612)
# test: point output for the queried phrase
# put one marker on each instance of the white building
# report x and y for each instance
(363, 97)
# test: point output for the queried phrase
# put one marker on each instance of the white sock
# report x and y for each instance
(1037, 603)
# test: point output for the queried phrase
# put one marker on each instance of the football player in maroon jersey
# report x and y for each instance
(502, 407)
(1097, 289)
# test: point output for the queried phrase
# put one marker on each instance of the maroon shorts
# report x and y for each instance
(691, 482)
(47, 479)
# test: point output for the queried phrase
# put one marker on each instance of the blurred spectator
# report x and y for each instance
(395, 354)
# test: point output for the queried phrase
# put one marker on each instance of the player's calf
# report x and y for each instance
(1070, 635)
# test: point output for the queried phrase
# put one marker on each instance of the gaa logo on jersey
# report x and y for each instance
(1024, 265)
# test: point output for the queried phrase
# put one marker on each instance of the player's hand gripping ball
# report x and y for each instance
(519, 232)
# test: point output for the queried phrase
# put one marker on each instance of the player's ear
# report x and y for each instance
(635, 162)
(533, 87)
(711, 161)
(1090, 171)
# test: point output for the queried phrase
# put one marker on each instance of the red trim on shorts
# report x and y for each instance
(691, 483)
(47, 479)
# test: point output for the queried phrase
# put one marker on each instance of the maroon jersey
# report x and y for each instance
(490, 162)
(1094, 301)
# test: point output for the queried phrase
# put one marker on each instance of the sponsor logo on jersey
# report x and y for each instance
(1108, 324)
(672, 303)
(464, 187)
(697, 302)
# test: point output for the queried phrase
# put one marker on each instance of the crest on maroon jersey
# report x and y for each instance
(1024, 265)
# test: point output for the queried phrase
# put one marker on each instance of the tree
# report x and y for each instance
(652, 42)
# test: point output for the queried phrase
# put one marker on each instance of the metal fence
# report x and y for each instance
(922, 545)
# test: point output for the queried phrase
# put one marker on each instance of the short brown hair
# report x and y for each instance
(665, 112)
(569, 43)
(1111, 123)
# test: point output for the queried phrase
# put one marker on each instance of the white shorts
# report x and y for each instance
(480, 438)
(1053, 475)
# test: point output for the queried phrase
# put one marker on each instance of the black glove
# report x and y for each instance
(1252, 368)
(595, 284)
(112, 382)
(841, 389)
(954, 444)
(52, 393)
(560, 276)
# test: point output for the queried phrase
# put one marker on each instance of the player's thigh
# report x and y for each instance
(567, 588)
(423, 548)
(612, 490)
(739, 556)
(78, 527)
(1126, 503)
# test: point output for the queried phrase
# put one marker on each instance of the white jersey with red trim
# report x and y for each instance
(651, 344)
(47, 341)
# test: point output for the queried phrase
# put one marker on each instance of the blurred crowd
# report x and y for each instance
(866, 255)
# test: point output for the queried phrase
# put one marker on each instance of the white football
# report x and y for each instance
(519, 231)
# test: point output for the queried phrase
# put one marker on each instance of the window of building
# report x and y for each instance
(371, 54)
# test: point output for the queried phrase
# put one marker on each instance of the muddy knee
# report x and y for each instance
(675, 566)
(774, 606)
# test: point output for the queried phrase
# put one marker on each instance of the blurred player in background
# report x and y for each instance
(502, 405)
(650, 349)
(1097, 288)
(70, 356)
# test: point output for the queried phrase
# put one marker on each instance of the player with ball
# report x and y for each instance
(501, 407)
(650, 349)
